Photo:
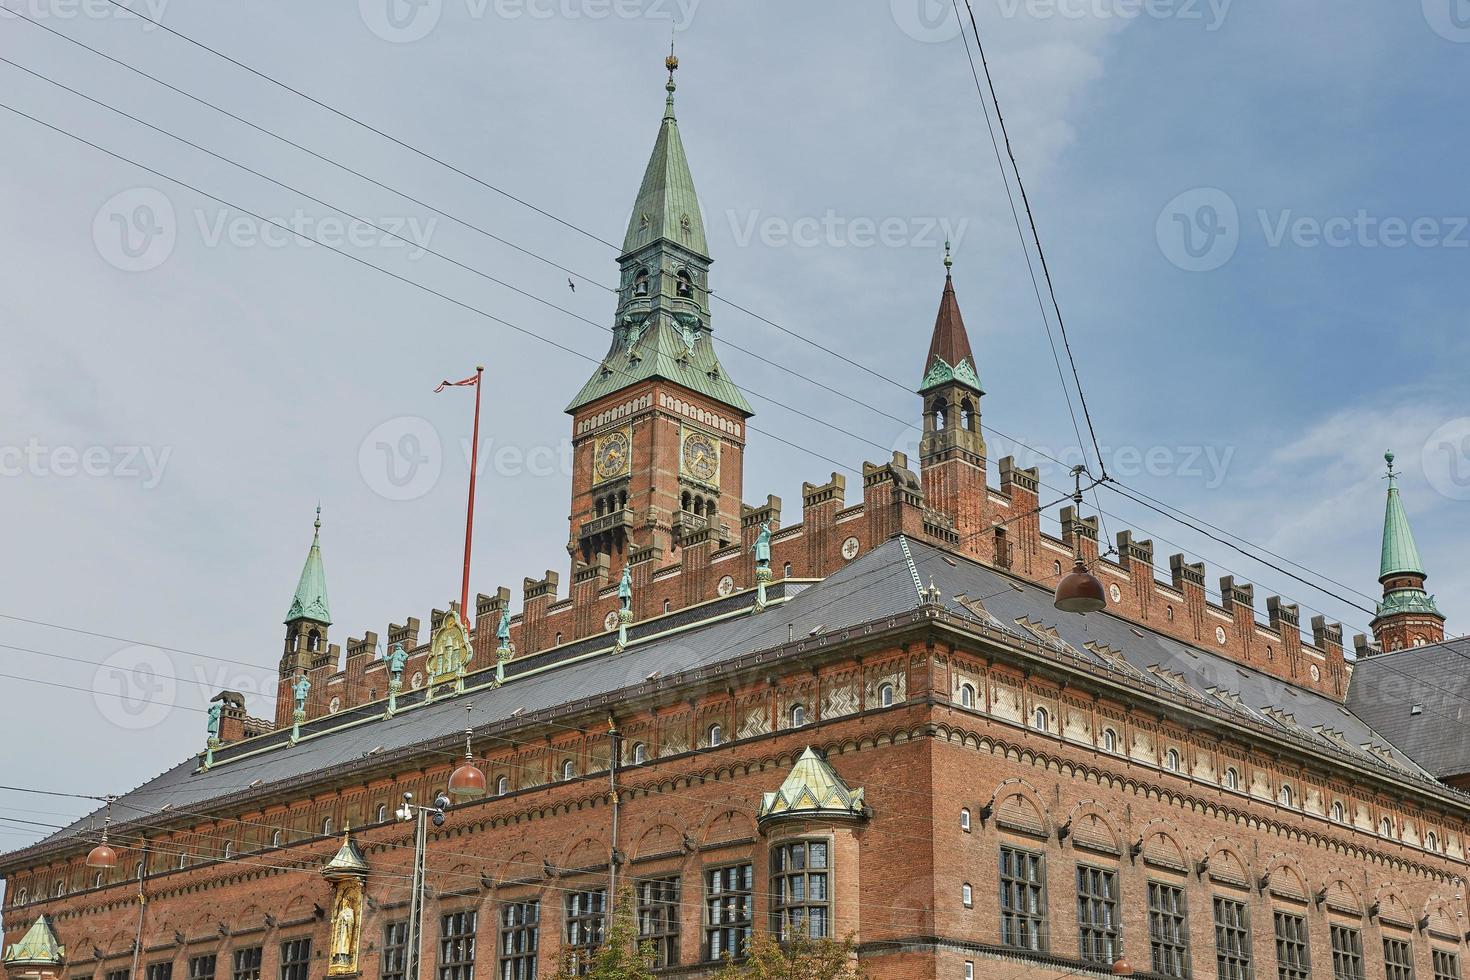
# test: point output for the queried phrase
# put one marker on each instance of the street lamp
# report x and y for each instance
(1080, 591)
(467, 782)
(421, 815)
(103, 856)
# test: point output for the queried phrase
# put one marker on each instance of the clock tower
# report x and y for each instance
(658, 431)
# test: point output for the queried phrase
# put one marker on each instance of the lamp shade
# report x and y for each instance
(1122, 968)
(1080, 591)
(102, 856)
(467, 782)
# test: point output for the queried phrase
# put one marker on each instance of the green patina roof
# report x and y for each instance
(40, 946)
(669, 351)
(812, 789)
(310, 600)
(667, 206)
(1400, 555)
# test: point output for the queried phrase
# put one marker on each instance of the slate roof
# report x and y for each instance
(885, 582)
(1386, 687)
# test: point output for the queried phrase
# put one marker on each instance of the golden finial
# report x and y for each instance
(672, 64)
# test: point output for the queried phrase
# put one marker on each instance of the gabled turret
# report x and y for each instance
(307, 622)
(1407, 616)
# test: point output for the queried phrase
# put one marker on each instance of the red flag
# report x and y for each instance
(475, 379)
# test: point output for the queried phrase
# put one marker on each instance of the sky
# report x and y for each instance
(1255, 217)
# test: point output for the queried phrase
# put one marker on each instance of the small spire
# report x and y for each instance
(672, 64)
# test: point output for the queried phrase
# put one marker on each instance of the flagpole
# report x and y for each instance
(469, 520)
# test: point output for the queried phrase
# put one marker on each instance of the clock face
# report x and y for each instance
(701, 457)
(611, 455)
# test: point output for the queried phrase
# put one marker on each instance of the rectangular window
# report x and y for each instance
(394, 961)
(1022, 899)
(658, 918)
(457, 945)
(247, 964)
(1347, 954)
(1232, 940)
(1446, 964)
(159, 971)
(1292, 961)
(1098, 928)
(1398, 959)
(1168, 929)
(585, 924)
(122, 974)
(520, 935)
(728, 911)
(801, 889)
(296, 959)
(202, 967)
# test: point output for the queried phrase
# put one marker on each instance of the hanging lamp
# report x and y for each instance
(1079, 591)
(467, 782)
(103, 856)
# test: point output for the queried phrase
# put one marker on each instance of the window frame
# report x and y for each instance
(1100, 935)
(245, 962)
(1232, 937)
(1399, 965)
(1293, 945)
(792, 907)
(1445, 963)
(295, 958)
(1168, 929)
(459, 931)
(195, 966)
(1346, 943)
(517, 938)
(1023, 923)
(656, 907)
(584, 927)
(393, 958)
(159, 970)
(718, 923)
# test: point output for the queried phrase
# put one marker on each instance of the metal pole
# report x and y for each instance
(615, 747)
(416, 901)
(469, 521)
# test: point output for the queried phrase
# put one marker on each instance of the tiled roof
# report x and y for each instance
(878, 585)
(1419, 698)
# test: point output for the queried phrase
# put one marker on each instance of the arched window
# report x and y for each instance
(97, 881)
(382, 812)
(967, 895)
(1171, 760)
(568, 770)
(666, 605)
(25, 893)
(1232, 778)
(275, 838)
(1169, 613)
(885, 695)
(314, 641)
(786, 570)
(60, 888)
(1337, 812)
(640, 753)
(1285, 796)
(684, 285)
(716, 735)
(229, 850)
(183, 860)
(558, 637)
(965, 819)
(327, 827)
(1110, 740)
(1056, 568)
(502, 786)
(798, 715)
(1041, 720)
(640, 283)
(1385, 827)
(967, 696)
(1431, 841)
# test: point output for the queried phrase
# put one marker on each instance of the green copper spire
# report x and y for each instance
(662, 328)
(40, 946)
(667, 206)
(310, 600)
(1400, 556)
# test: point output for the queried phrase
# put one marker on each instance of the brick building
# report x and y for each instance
(870, 721)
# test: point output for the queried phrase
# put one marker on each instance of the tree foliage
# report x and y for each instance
(800, 958)
(620, 957)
